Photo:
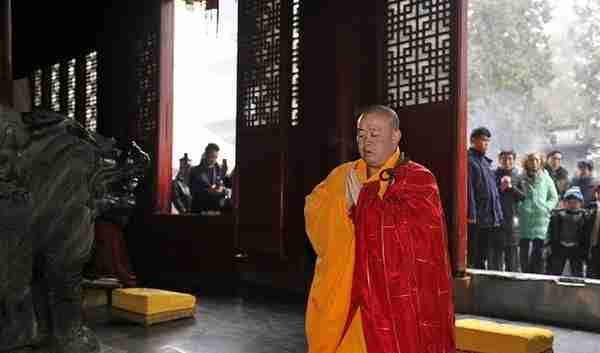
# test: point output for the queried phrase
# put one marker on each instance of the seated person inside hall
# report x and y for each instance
(182, 197)
(209, 183)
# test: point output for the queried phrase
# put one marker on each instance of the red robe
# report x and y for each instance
(402, 280)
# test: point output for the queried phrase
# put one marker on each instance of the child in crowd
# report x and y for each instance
(567, 235)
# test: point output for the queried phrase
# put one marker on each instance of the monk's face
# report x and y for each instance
(377, 139)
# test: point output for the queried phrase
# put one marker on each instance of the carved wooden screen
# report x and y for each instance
(295, 75)
(259, 39)
(70, 89)
(268, 108)
(424, 80)
(55, 87)
(37, 88)
(146, 92)
(418, 52)
(91, 91)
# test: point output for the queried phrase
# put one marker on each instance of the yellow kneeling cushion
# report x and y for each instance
(490, 337)
(148, 301)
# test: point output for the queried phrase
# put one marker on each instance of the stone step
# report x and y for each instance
(97, 292)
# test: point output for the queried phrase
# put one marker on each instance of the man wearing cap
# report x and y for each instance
(567, 235)
(585, 181)
(484, 208)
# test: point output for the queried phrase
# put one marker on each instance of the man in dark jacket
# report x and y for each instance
(593, 234)
(505, 246)
(484, 209)
(557, 172)
(207, 182)
(585, 181)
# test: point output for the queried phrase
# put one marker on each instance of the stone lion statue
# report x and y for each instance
(55, 178)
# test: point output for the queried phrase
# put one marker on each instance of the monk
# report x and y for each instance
(382, 277)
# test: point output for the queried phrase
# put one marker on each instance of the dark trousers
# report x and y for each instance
(478, 245)
(531, 253)
(508, 250)
(511, 256)
(559, 257)
(593, 269)
(495, 250)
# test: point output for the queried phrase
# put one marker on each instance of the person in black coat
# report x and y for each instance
(585, 181)
(567, 235)
(484, 209)
(593, 232)
(181, 194)
(207, 183)
(504, 248)
(557, 172)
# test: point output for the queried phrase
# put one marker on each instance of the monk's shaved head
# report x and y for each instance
(381, 110)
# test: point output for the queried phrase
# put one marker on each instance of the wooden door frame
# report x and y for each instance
(460, 45)
(164, 143)
(6, 70)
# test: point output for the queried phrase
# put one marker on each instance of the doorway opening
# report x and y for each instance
(534, 84)
(204, 101)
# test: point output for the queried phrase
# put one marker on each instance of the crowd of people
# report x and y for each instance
(205, 188)
(533, 219)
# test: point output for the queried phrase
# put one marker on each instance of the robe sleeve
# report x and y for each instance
(325, 211)
(331, 233)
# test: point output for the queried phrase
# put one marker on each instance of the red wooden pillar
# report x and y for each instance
(165, 109)
(459, 241)
(6, 73)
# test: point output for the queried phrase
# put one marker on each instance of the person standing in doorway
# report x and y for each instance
(534, 212)
(585, 181)
(505, 249)
(557, 172)
(484, 209)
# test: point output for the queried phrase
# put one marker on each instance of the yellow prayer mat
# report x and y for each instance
(480, 336)
(148, 301)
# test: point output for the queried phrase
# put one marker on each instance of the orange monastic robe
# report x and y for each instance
(332, 233)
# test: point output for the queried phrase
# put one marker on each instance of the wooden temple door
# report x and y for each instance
(269, 228)
(409, 54)
(424, 79)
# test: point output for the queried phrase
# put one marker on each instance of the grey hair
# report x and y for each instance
(381, 109)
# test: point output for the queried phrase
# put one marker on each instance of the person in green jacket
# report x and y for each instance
(534, 212)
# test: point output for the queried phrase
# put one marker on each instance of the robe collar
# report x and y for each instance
(361, 170)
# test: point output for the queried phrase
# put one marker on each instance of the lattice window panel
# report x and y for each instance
(417, 54)
(295, 77)
(37, 88)
(71, 89)
(147, 90)
(258, 43)
(91, 91)
(55, 87)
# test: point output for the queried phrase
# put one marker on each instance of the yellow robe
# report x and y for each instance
(331, 233)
